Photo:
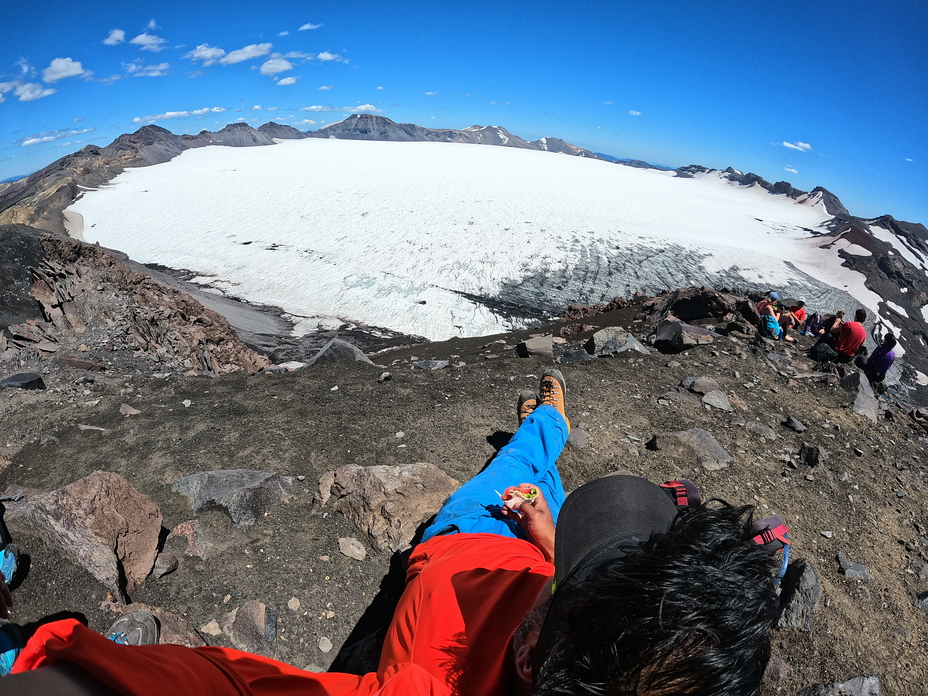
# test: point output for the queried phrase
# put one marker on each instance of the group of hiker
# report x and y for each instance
(838, 340)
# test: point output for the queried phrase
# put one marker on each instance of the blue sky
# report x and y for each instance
(831, 93)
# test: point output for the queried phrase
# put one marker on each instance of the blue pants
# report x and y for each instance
(529, 457)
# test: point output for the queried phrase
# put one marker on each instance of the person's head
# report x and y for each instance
(860, 315)
(682, 611)
(773, 296)
(801, 302)
(840, 314)
(889, 341)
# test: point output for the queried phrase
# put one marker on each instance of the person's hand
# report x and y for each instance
(6, 599)
(536, 519)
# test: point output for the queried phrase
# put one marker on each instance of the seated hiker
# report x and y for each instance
(851, 337)
(813, 322)
(794, 317)
(770, 313)
(879, 362)
(655, 593)
(830, 327)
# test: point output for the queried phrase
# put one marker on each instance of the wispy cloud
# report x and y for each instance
(798, 145)
(275, 66)
(287, 81)
(116, 37)
(137, 70)
(283, 33)
(326, 87)
(25, 68)
(363, 108)
(325, 55)
(381, 87)
(246, 53)
(908, 159)
(791, 170)
(148, 42)
(205, 54)
(152, 25)
(430, 94)
(634, 113)
(307, 27)
(607, 102)
(26, 91)
(178, 114)
(50, 136)
(61, 68)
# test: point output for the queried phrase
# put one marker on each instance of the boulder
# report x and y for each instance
(606, 341)
(855, 571)
(337, 350)
(675, 336)
(799, 596)
(100, 522)
(811, 455)
(252, 627)
(867, 685)
(860, 394)
(540, 346)
(692, 446)
(245, 494)
(386, 503)
(80, 363)
(24, 380)
(695, 303)
(717, 399)
(794, 424)
(700, 385)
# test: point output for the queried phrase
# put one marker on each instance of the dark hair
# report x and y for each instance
(889, 341)
(686, 614)
(860, 315)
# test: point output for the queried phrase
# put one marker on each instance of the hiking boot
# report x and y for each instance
(528, 400)
(11, 644)
(553, 391)
(9, 558)
(138, 627)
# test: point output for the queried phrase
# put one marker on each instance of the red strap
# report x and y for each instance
(679, 492)
(771, 535)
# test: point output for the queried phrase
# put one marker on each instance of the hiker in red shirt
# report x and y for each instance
(852, 337)
(642, 589)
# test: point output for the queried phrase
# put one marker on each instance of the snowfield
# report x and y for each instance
(442, 240)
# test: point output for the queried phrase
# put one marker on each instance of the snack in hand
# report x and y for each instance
(514, 496)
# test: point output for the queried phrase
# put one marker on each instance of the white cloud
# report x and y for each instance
(294, 54)
(116, 37)
(908, 159)
(49, 136)
(30, 91)
(178, 114)
(283, 33)
(287, 81)
(308, 121)
(137, 70)
(307, 27)
(791, 170)
(801, 146)
(246, 53)
(24, 67)
(148, 42)
(380, 88)
(256, 107)
(61, 68)
(634, 113)
(152, 25)
(430, 94)
(326, 87)
(274, 108)
(325, 55)
(607, 102)
(207, 54)
(275, 66)
(363, 108)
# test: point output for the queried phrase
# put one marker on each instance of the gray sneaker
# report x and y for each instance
(137, 627)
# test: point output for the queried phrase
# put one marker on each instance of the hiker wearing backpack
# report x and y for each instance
(851, 337)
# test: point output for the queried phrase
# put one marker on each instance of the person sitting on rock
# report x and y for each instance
(831, 327)
(793, 318)
(851, 337)
(769, 312)
(637, 592)
(879, 362)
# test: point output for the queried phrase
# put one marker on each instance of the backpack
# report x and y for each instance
(813, 322)
(822, 352)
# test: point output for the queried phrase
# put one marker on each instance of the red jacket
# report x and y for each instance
(850, 338)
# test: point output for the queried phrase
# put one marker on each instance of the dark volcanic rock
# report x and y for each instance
(860, 394)
(281, 131)
(612, 339)
(20, 251)
(24, 380)
(695, 445)
(244, 493)
(855, 571)
(800, 595)
(675, 336)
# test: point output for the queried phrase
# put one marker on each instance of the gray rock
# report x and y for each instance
(100, 522)
(920, 568)
(855, 571)
(540, 346)
(811, 455)
(387, 503)
(325, 645)
(801, 591)
(385, 377)
(351, 547)
(676, 336)
(757, 428)
(574, 356)
(777, 671)
(717, 399)
(337, 350)
(867, 685)
(794, 424)
(245, 494)
(606, 341)
(252, 627)
(695, 445)
(24, 380)
(634, 344)
(860, 394)
(165, 563)
(701, 385)
(578, 438)
(921, 600)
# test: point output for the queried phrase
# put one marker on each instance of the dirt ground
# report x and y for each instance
(871, 494)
